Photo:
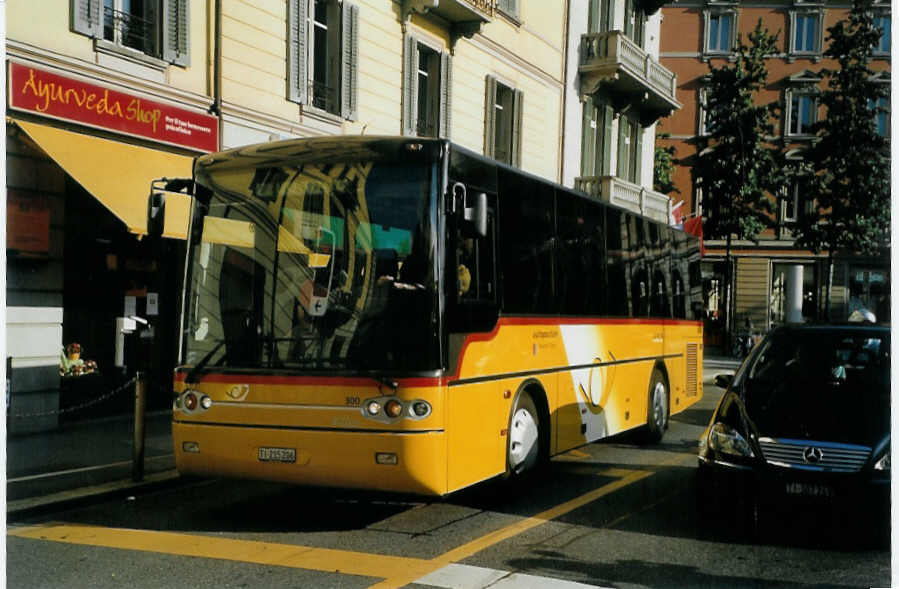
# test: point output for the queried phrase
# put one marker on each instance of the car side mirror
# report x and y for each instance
(724, 380)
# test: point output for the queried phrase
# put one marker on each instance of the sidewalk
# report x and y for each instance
(89, 458)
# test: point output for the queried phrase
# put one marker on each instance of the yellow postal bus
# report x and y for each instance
(406, 315)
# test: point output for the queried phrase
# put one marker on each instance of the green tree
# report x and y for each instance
(737, 167)
(663, 168)
(847, 181)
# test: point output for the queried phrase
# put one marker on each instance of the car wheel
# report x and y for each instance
(524, 452)
(657, 412)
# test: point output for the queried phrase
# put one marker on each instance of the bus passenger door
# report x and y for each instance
(475, 415)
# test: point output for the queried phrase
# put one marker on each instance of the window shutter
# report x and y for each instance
(151, 15)
(608, 115)
(517, 122)
(636, 171)
(588, 139)
(410, 85)
(87, 17)
(175, 23)
(446, 94)
(490, 118)
(296, 51)
(349, 76)
(623, 145)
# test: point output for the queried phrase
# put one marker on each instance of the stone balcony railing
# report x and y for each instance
(616, 191)
(630, 72)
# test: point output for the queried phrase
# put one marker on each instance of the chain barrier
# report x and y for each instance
(80, 406)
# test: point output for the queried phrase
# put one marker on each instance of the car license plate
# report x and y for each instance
(809, 490)
(277, 454)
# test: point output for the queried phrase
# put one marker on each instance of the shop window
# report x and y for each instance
(323, 55)
(503, 120)
(779, 301)
(151, 28)
(869, 290)
(720, 31)
(427, 87)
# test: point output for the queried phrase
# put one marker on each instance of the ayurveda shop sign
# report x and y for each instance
(60, 97)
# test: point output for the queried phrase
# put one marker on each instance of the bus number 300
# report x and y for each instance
(353, 401)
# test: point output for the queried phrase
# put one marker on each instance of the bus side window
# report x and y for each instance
(476, 266)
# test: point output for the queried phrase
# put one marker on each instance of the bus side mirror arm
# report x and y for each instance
(155, 214)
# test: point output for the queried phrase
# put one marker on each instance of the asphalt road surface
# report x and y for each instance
(611, 514)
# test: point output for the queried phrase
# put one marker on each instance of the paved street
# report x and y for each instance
(611, 514)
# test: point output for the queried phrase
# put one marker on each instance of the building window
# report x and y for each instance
(805, 39)
(509, 8)
(882, 21)
(630, 139)
(634, 22)
(789, 205)
(503, 121)
(881, 115)
(802, 112)
(323, 55)
(426, 90)
(597, 138)
(705, 122)
(154, 28)
(600, 16)
(720, 31)
(780, 289)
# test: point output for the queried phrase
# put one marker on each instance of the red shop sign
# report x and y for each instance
(52, 95)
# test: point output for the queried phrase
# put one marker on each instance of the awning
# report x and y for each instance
(118, 174)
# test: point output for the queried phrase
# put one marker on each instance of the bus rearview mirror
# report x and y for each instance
(155, 214)
(477, 214)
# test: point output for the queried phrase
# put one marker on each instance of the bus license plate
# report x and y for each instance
(277, 454)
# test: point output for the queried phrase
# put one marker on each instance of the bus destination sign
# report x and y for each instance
(53, 95)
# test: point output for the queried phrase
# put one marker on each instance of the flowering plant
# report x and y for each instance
(71, 364)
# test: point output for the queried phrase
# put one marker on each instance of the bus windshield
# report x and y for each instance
(314, 266)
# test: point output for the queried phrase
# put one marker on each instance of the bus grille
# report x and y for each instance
(692, 380)
(811, 455)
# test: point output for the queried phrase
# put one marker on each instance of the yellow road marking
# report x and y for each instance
(265, 553)
(395, 570)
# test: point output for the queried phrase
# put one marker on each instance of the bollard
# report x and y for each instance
(140, 406)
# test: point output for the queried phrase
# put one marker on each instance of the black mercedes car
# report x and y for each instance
(804, 426)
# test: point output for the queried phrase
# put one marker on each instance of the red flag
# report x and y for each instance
(693, 226)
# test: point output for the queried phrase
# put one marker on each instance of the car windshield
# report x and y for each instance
(314, 267)
(823, 384)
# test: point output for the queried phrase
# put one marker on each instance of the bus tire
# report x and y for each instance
(657, 411)
(524, 452)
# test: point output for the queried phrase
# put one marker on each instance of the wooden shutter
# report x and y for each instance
(87, 17)
(296, 51)
(607, 115)
(636, 174)
(410, 85)
(175, 25)
(517, 122)
(490, 118)
(590, 128)
(151, 38)
(446, 94)
(349, 75)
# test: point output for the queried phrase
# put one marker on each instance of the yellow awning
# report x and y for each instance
(118, 174)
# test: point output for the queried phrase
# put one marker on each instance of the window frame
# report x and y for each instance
(881, 12)
(443, 97)
(634, 150)
(795, 15)
(342, 40)
(789, 112)
(596, 155)
(511, 119)
(713, 12)
(510, 9)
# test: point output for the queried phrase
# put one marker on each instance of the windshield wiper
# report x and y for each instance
(194, 372)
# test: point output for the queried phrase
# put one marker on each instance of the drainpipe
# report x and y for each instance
(562, 135)
(215, 73)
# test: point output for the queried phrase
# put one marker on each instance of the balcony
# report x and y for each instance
(465, 17)
(632, 197)
(630, 75)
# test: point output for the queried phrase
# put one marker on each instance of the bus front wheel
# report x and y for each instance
(524, 436)
(657, 412)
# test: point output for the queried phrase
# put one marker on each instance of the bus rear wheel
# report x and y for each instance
(657, 412)
(524, 451)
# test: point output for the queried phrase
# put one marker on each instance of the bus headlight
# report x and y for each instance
(393, 408)
(191, 401)
(373, 408)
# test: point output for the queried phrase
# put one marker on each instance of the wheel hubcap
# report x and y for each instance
(659, 405)
(523, 441)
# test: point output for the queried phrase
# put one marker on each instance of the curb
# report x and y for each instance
(75, 497)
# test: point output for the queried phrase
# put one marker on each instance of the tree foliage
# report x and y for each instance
(736, 167)
(663, 169)
(847, 168)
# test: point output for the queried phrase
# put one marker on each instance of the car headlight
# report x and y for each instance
(884, 462)
(727, 440)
